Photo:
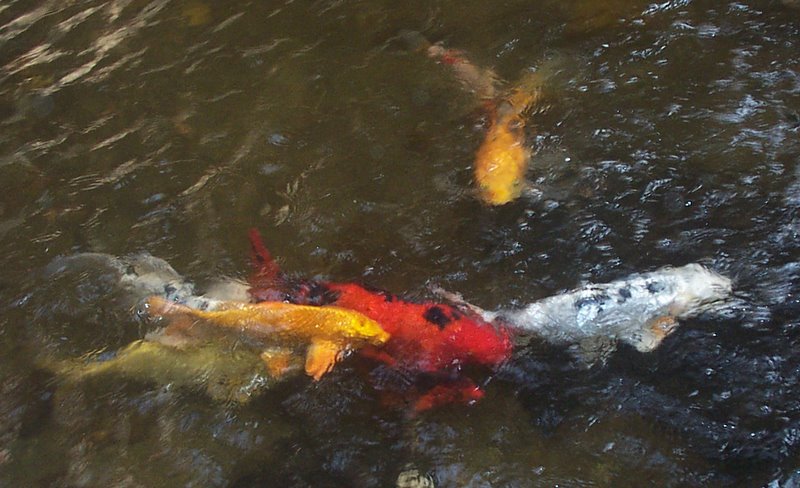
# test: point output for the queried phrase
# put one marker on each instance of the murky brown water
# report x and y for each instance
(174, 126)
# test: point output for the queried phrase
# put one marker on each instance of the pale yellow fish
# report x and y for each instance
(328, 332)
(224, 372)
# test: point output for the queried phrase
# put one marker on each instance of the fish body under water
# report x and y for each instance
(223, 371)
(483, 82)
(329, 332)
(134, 277)
(640, 310)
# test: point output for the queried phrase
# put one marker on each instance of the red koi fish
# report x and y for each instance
(428, 338)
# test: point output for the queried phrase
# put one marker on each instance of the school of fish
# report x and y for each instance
(429, 340)
(429, 343)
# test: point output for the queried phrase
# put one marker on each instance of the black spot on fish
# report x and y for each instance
(436, 315)
(596, 301)
(655, 287)
(624, 294)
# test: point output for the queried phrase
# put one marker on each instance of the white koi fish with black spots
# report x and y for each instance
(640, 310)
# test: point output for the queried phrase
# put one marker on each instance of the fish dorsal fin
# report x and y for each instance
(321, 356)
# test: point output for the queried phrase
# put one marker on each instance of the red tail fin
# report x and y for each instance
(266, 269)
(267, 281)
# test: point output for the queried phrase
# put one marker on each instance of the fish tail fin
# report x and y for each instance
(525, 96)
(263, 262)
(267, 280)
(458, 301)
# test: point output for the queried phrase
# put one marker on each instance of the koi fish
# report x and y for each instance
(640, 310)
(224, 372)
(275, 328)
(503, 157)
(424, 338)
(136, 276)
(331, 332)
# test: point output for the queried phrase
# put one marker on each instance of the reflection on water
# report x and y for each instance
(174, 126)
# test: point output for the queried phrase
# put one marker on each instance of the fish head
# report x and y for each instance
(700, 290)
(368, 330)
(496, 191)
(501, 162)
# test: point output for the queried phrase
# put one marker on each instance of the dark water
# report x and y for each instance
(174, 126)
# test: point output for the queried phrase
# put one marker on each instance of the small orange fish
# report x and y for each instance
(329, 331)
(502, 159)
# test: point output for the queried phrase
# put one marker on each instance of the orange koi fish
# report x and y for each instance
(502, 158)
(331, 332)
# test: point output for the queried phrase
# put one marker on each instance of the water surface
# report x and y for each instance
(173, 127)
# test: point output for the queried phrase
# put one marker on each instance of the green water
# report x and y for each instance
(173, 127)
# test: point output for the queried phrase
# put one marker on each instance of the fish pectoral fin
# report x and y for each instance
(653, 332)
(320, 358)
(278, 361)
(663, 326)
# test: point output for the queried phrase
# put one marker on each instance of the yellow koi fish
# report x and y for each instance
(502, 158)
(329, 331)
(224, 372)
